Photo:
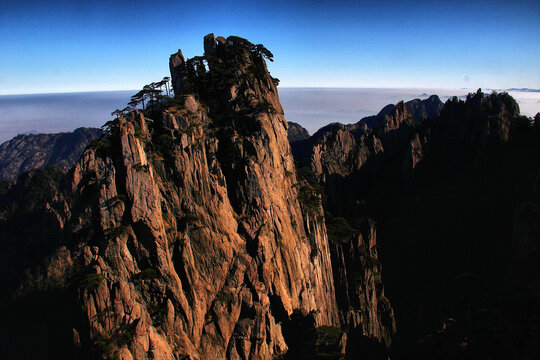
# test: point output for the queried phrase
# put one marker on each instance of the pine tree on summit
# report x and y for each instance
(117, 113)
(138, 98)
(152, 91)
(164, 83)
(132, 105)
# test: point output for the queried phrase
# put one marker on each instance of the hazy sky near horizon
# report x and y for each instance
(310, 107)
(62, 46)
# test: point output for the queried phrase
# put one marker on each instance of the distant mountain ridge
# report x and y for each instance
(516, 89)
(523, 89)
(29, 151)
(420, 111)
(36, 150)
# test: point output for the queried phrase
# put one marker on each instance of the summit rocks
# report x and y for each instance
(181, 233)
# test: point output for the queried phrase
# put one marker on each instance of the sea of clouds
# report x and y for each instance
(310, 107)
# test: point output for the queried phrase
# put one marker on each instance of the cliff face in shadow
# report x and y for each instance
(454, 197)
(27, 152)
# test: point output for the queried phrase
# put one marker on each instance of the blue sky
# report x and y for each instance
(62, 46)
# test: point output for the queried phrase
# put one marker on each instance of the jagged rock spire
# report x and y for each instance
(210, 45)
(176, 61)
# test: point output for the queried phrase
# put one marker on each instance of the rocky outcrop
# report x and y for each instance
(183, 233)
(189, 231)
(422, 110)
(27, 152)
(176, 62)
(365, 310)
(444, 193)
(338, 151)
(295, 132)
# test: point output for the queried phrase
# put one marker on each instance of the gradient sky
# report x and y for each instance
(60, 46)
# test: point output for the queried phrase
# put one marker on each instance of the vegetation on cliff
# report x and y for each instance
(189, 231)
(448, 194)
(168, 233)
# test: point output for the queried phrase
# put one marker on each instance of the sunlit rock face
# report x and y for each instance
(207, 247)
(181, 230)
(189, 231)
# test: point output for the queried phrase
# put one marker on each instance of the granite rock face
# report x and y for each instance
(441, 194)
(176, 61)
(27, 152)
(189, 231)
(181, 232)
(422, 110)
(296, 132)
(213, 231)
(365, 310)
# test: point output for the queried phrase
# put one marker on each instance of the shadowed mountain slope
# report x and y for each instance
(27, 152)
(455, 198)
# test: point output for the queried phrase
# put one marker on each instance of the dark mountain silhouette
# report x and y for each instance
(455, 198)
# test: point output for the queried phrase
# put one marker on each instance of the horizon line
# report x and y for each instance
(293, 87)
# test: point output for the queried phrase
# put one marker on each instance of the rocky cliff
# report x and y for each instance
(296, 132)
(422, 110)
(443, 191)
(189, 231)
(182, 232)
(27, 152)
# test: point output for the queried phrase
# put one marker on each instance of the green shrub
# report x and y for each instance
(165, 141)
(310, 199)
(263, 107)
(100, 144)
(323, 343)
(305, 173)
(90, 282)
(328, 334)
(113, 233)
(148, 274)
(339, 230)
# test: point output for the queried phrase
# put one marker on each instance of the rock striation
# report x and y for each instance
(189, 231)
(27, 152)
(441, 188)
(181, 233)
